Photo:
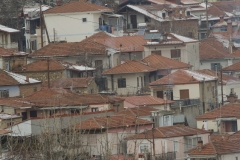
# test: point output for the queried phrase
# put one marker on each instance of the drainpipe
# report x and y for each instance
(203, 95)
(112, 82)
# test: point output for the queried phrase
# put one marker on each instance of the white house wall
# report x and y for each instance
(72, 33)
(194, 91)
(13, 90)
(206, 64)
(230, 156)
(131, 82)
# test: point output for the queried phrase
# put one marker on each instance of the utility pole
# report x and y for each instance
(153, 141)
(48, 73)
(41, 24)
(221, 86)
(54, 35)
(207, 18)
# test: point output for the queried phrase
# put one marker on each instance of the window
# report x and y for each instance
(190, 34)
(4, 93)
(223, 29)
(84, 20)
(147, 19)
(175, 146)
(99, 64)
(144, 148)
(175, 53)
(165, 118)
(122, 83)
(158, 52)
(94, 109)
(188, 13)
(7, 65)
(214, 65)
(184, 94)
(163, 15)
(137, 82)
(160, 94)
(34, 89)
(10, 124)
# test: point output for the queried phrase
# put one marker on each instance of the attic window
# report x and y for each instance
(188, 13)
(84, 20)
(4, 93)
(147, 19)
(163, 15)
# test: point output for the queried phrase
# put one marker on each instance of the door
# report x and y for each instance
(184, 94)
(24, 116)
(133, 21)
(160, 94)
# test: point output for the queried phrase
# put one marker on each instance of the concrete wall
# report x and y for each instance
(206, 64)
(131, 83)
(26, 90)
(15, 62)
(78, 31)
(13, 90)
(230, 156)
(209, 124)
(164, 145)
(189, 53)
(194, 92)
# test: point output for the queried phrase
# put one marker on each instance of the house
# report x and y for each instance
(89, 17)
(34, 126)
(159, 117)
(132, 77)
(15, 85)
(165, 17)
(54, 102)
(32, 28)
(233, 70)
(139, 101)
(169, 141)
(7, 120)
(79, 85)
(187, 87)
(107, 133)
(6, 37)
(214, 55)
(224, 119)
(230, 84)
(173, 46)
(224, 150)
(55, 68)
(11, 60)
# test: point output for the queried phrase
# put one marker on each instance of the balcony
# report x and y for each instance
(185, 102)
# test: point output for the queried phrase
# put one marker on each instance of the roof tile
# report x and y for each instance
(79, 6)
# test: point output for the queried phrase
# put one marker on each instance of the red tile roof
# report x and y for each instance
(5, 52)
(160, 62)
(226, 78)
(235, 136)
(148, 64)
(73, 48)
(130, 67)
(3, 131)
(233, 67)
(41, 66)
(146, 100)
(216, 148)
(219, 137)
(115, 121)
(169, 132)
(228, 110)
(67, 82)
(79, 6)
(15, 102)
(226, 6)
(129, 43)
(138, 111)
(183, 77)
(45, 97)
(211, 48)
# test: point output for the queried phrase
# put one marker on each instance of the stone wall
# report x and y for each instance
(26, 90)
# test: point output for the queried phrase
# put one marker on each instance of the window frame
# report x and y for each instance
(177, 52)
(122, 83)
(175, 146)
(84, 20)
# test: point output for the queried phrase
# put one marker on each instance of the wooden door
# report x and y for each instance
(133, 20)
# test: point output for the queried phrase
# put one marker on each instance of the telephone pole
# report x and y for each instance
(207, 18)
(41, 24)
(48, 73)
(221, 86)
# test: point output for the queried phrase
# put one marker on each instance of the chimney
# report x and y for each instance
(58, 3)
(229, 26)
(27, 79)
(232, 98)
(221, 19)
(200, 145)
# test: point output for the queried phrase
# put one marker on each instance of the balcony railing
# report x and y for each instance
(186, 102)
(108, 28)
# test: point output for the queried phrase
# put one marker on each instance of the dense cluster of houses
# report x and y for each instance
(148, 80)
